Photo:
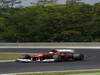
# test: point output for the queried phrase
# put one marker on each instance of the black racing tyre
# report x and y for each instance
(81, 57)
(78, 57)
(26, 56)
(57, 58)
(41, 58)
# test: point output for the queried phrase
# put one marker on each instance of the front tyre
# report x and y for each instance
(58, 58)
(24, 58)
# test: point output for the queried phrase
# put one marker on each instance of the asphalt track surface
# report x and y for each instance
(92, 61)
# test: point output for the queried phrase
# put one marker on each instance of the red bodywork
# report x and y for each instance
(42, 56)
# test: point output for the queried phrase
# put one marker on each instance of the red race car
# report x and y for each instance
(57, 55)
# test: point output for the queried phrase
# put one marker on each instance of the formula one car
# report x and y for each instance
(56, 55)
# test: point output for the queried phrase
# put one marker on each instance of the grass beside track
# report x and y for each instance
(9, 56)
(67, 73)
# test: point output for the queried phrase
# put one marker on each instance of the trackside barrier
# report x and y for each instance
(52, 45)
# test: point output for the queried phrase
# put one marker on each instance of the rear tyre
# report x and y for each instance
(81, 57)
(78, 57)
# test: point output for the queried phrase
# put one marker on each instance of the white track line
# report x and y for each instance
(6, 74)
(52, 71)
(7, 60)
